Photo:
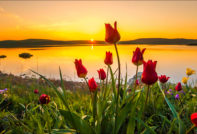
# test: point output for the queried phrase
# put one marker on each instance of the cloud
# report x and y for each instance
(1, 10)
(7, 15)
(9, 20)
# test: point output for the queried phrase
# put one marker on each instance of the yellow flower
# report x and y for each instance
(185, 79)
(189, 71)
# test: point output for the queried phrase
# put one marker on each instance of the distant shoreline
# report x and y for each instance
(39, 43)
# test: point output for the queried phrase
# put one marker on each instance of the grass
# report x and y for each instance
(21, 111)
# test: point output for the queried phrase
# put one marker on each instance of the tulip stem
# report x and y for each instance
(136, 79)
(106, 82)
(147, 94)
(87, 85)
(94, 103)
(118, 68)
(190, 129)
(103, 86)
(118, 83)
(86, 82)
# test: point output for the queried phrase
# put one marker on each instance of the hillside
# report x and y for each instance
(33, 43)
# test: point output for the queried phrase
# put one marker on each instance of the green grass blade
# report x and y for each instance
(82, 126)
(113, 83)
(146, 126)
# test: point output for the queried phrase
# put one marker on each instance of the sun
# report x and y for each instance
(92, 40)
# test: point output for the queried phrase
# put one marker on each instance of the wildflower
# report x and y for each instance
(182, 92)
(194, 119)
(177, 96)
(108, 59)
(102, 74)
(178, 87)
(129, 90)
(170, 92)
(193, 95)
(149, 75)
(137, 82)
(60, 89)
(138, 56)
(189, 71)
(44, 99)
(185, 79)
(163, 78)
(36, 91)
(81, 70)
(112, 35)
(3, 91)
(92, 85)
(5, 95)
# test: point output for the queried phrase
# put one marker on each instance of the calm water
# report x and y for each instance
(172, 60)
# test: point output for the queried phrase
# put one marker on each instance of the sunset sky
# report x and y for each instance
(81, 20)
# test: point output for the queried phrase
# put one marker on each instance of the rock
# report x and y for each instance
(132, 80)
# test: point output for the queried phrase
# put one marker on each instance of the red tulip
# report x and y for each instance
(102, 74)
(44, 99)
(138, 56)
(178, 87)
(81, 70)
(112, 35)
(194, 119)
(36, 91)
(149, 75)
(92, 84)
(137, 82)
(108, 59)
(163, 78)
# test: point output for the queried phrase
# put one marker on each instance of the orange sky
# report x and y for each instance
(78, 20)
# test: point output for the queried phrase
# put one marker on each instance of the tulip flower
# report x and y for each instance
(44, 99)
(149, 75)
(189, 71)
(108, 58)
(102, 74)
(184, 80)
(178, 87)
(112, 35)
(92, 85)
(138, 56)
(137, 82)
(163, 78)
(36, 91)
(177, 96)
(194, 119)
(81, 70)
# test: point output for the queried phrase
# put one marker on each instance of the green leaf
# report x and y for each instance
(113, 83)
(151, 130)
(147, 131)
(77, 123)
(63, 131)
(124, 112)
(62, 82)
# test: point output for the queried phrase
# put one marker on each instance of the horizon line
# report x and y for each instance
(94, 40)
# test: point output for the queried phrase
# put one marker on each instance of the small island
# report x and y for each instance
(25, 55)
(2, 56)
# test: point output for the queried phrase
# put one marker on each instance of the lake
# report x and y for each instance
(172, 60)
